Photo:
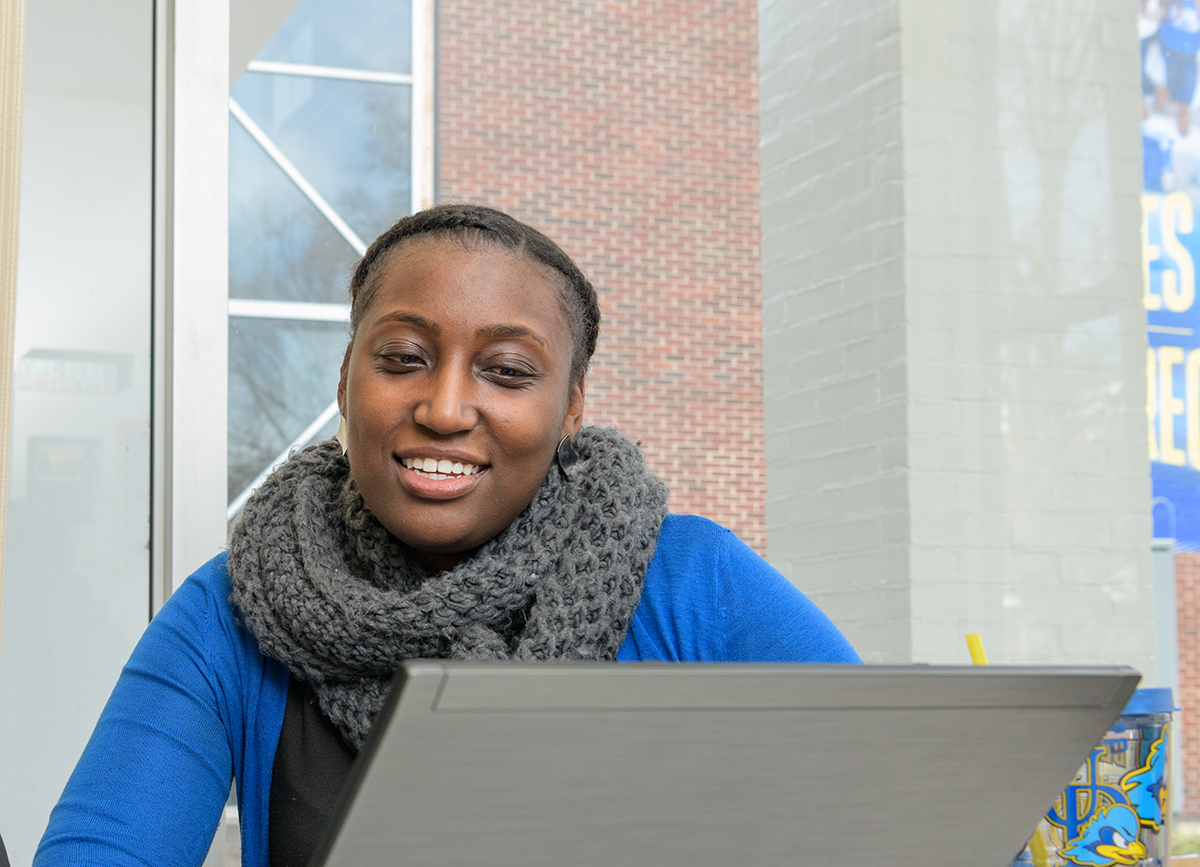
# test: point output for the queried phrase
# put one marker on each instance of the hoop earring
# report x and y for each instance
(343, 434)
(566, 455)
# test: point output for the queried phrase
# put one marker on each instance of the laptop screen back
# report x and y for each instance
(693, 765)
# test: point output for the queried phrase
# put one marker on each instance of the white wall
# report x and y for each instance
(834, 342)
(1027, 427)
(954, 331)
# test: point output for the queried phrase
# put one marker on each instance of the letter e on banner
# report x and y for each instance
(1191, 395)
(1169, 405)
(1179, 286)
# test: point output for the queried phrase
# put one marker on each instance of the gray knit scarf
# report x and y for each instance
(328, 591)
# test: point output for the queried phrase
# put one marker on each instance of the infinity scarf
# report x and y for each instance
(329, 592)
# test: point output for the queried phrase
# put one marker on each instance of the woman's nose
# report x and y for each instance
(448, 404)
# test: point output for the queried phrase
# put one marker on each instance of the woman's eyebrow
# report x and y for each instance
(411, 319)
(500, 332)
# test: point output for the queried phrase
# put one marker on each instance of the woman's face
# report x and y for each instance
(456, 391)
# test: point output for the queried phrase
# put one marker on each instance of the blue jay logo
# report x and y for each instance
(1083, 801)
(1100, 821)
(1109, 838)
(1144, 786)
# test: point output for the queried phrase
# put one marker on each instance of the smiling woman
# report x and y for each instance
(463, 512)
(464, 357)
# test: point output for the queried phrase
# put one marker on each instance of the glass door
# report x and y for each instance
(76, 555)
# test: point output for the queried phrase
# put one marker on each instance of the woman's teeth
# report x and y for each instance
(434, 469)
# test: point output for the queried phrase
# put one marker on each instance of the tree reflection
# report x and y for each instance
(286, 374)
(351, 140)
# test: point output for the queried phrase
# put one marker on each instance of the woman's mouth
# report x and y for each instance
(440, 478)
(439, 470)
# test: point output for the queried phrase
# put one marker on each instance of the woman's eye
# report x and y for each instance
(508, 375)
(400, 360)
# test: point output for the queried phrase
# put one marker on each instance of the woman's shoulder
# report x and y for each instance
(211, 579)
(201, 616)
(689, 536)
(196, 698)
(203, 599)
(695, 560)
(697, 552)
(202, 649)
(679, 615)
(709, 597)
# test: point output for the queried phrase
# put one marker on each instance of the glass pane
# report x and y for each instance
(349, 139)
(282, 375)
(357, 34)
(281, 248)
(76, 556)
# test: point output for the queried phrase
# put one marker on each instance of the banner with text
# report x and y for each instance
(1170, 38)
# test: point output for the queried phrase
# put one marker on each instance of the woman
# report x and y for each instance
(464, 512)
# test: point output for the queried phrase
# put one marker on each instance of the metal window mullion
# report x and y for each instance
(422, 113)
(335, 72)
(422, 190)
(297, 178)
(192, 347)
(307, 311)
(160, 571)
(307, 434)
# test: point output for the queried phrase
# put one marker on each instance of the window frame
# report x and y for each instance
(189, 520)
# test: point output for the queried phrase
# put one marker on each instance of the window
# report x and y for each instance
(328, 146)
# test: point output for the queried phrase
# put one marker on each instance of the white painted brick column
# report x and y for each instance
(954, 339)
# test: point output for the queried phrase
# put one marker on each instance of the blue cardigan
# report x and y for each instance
(198, 703)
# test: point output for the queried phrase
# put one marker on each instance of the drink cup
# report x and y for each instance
(1117, 808)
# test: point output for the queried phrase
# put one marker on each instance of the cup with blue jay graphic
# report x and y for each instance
(1117, 809)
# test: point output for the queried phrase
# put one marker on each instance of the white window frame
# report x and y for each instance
(191, 272)
(191, 287)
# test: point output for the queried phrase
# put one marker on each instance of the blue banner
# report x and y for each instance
(1170, 248)
(1170, 38)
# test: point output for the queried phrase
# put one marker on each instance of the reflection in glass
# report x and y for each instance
(349, 139)
(286, 373)
(77, 544)
(349, 144)
(355, 34)
(280, 246)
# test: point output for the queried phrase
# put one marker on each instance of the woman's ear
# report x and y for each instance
(341, 389)
(573, 420)
(343, 432)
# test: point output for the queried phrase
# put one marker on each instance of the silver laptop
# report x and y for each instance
(667, 765)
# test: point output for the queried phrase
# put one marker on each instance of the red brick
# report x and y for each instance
(628, 131)
(1187, 587)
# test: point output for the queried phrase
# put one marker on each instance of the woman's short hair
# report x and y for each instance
(472, 225)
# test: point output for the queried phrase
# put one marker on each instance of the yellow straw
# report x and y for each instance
(975, 644)
(979, 657)
(1037, 848)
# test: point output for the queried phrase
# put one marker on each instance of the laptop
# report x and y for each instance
(691, 765)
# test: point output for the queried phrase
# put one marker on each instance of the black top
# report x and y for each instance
(3, 855)
(312, 762)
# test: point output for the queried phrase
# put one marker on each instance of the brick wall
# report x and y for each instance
(627, 130)
(1187, 589)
